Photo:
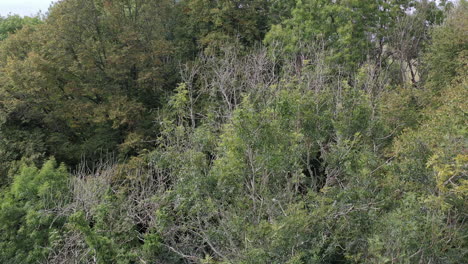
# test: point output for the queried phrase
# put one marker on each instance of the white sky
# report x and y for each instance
(24, 7)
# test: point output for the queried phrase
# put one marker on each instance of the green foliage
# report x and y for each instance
(446, 55)
(410, 233)
(12, 23)
(345, 27)
(215, 23)
(343, 141)
(86, 80)
(108, 234)
(28, 220)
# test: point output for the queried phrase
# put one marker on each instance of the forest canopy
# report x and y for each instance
(235, 131)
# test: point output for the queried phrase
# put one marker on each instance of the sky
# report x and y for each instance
(24, 7)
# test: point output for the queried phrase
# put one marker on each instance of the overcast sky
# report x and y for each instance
(24, 7)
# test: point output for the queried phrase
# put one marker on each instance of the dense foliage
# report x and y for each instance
(200, 131)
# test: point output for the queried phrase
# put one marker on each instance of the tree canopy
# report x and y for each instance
(199, 131)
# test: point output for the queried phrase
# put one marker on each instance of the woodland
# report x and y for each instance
(235, 132)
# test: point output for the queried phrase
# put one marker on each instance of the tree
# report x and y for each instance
(350, 28)
(28, 220)
(445, 56)
(214, 23)
(86, 81)
(13, 23)
(314, 150)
